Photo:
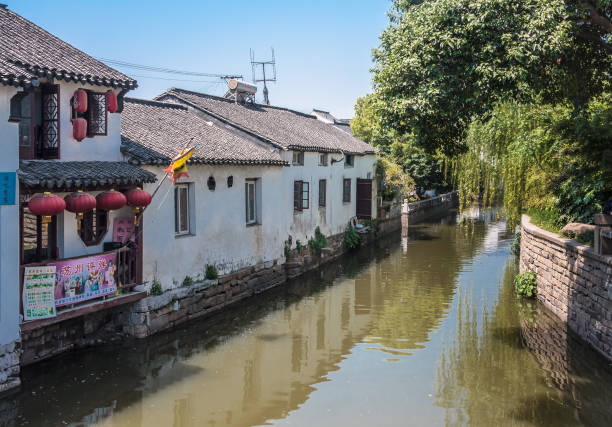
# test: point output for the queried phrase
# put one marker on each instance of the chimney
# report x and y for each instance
(3, 6)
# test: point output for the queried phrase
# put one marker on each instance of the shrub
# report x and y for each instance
(525, 284)
(211, 272)
(188, 281)
(351, 237)
(299, 247)
(318, 242)
(156, 288)
(287, 251)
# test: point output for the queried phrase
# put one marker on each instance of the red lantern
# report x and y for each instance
(79, 101)
(46, 205)
(111, 101)
(138, 199)
(79, 128)
(78, 203)
(110, 200)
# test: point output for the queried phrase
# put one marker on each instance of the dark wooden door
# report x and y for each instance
(364, 198)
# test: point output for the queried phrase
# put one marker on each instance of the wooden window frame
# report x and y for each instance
(301, 195)
(178, 205)
(93, 99)
(89, 234)
(300, 158)
(38, 125)
(51, 230)
(323, 159)
(348, 164)
(250, 219)
(322, 193)
(346, 195)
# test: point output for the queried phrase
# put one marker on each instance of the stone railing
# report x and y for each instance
(574, 282)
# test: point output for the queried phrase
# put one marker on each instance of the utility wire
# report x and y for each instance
(119, 63)
(178, 80)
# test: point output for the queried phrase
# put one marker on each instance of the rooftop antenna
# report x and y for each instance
(255, 65)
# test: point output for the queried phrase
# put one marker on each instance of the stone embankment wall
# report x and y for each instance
(9, 366)
(573, 282)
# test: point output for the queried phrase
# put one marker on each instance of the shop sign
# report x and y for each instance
(7, 188)
(82, 279)
(38, 296)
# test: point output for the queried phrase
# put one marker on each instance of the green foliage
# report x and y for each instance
(188, 281)
(287, 251)
(443, 62)
(351, 237)
(525, 284)
(554, 158)
(547, 218)
(156, 288)
(515, 246)
(317, 243)
(299, 247)
(211, 272)
(395, 179)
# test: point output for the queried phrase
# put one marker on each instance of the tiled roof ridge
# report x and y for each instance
(221, 98)
(224, 119)
(127, 82)
(155, 103)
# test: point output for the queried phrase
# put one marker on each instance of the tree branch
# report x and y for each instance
(596, 17)
(595, 38)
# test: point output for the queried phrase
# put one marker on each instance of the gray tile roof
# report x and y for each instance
(290, 129)
(28, 52)
(74, 175)
(153, 132)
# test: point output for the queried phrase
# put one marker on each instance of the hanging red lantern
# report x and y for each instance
(46, 205)
(138, 199)
(111, 101)
(110, 200)
(79, 128)
(79, 101)
(79, 203)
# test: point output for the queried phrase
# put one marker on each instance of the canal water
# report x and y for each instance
(420, 331)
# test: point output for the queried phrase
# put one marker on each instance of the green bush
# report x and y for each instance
(156, 288)
(525, 284)
(299, 247)
(287, 251)
(351, 237)
(211, 272)
(317, 243)
(188, 281)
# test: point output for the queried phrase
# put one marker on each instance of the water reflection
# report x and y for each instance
(426, 331)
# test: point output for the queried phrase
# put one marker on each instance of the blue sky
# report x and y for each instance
(323, 48)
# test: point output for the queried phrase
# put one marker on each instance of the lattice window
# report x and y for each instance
(94, 227)
(50, 122)
(96, 112)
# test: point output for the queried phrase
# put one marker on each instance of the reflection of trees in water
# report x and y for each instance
(486, 377)
(414, 292)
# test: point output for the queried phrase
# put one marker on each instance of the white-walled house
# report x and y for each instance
(39, 78)
(303, 174)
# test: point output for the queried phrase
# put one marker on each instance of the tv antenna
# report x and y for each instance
(255, 66)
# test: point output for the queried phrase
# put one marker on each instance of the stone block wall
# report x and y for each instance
(573, 282)
(9, 365)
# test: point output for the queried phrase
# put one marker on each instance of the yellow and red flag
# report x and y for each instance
(178, 166)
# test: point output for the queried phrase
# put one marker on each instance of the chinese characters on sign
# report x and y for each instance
(7, 188)
(38, 298)
(82, 279)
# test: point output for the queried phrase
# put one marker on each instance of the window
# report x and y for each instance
(96, 114)
(323, 159)
(298, 158)
(37, 112)
(346, 190)
(301, 195)
(94, 226)
(251, 202)
(181, 209)
(322, 192)
(38, 239)
(349, 161)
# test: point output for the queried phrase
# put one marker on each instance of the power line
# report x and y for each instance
(142, 67)
(178, 80)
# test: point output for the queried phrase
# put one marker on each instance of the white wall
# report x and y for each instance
(334, 217)
(9, 227)
(96, 148)
(221, 235)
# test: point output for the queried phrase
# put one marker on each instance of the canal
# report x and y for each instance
(422, 331)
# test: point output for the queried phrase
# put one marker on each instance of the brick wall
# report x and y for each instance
(573, 282)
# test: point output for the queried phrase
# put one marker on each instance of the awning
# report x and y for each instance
(68, 176)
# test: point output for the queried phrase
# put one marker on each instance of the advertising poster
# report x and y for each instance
(122, 227)
(38, 298)
(86, 278)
